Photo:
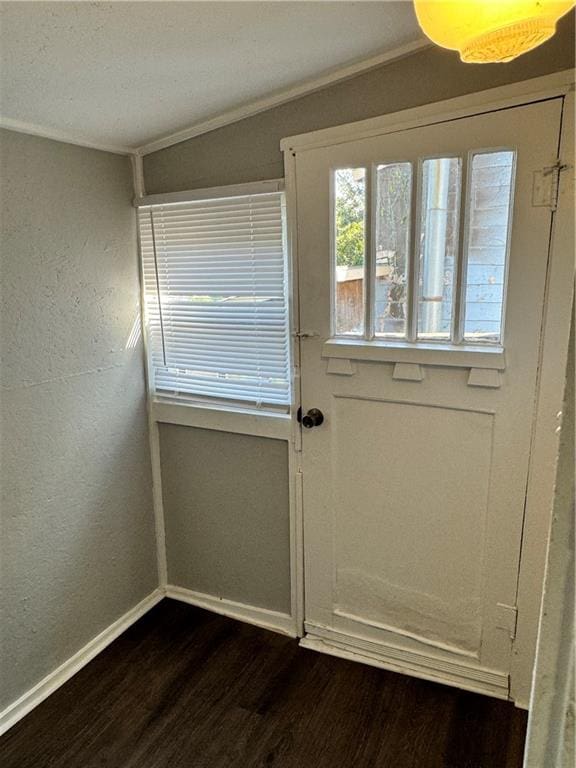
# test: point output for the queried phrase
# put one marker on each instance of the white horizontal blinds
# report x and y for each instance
(216, 298)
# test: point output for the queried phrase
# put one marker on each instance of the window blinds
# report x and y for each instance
(215, 283)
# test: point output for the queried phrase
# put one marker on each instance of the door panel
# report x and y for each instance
(382, 528)
(414, 489)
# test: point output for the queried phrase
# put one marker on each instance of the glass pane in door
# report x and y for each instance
(349, 250)
(438, 246)
(392, 240)
(488, 235)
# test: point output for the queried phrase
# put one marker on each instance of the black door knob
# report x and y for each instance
(313, 418)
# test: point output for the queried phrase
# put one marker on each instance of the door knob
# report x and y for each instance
(313, 418)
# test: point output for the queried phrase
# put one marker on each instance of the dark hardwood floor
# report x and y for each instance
(184, 688)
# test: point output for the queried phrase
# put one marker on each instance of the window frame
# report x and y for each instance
(421, 348)
(223, 409)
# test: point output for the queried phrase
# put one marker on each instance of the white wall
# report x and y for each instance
(77, 542)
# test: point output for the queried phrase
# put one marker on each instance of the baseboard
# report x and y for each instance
(251, 614)
(396, 659)
(22, 706)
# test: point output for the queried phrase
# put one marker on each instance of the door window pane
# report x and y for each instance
(392, 233)
(438, 246)
(350, 249)
(487, 247)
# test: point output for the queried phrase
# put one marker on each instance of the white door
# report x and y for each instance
(422, 269)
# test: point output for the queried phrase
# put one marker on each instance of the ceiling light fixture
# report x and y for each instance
(485, 31)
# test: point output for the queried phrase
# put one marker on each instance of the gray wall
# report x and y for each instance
(77, 541)
(227, 519)
(249, 149)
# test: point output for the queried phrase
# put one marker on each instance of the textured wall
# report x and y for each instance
(249, 150)
(226, 508)
(77, 542)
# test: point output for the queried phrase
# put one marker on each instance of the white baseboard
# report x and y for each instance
(395, 659)
(260, 617)
(19, 708)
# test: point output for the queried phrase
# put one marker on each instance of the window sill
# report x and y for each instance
(464, 356)
(224, 419)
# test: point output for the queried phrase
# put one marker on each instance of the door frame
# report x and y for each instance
(553, 343)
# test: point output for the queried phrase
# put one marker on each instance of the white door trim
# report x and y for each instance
(295, 444)
(416, 663)
(554, 342)
(545, 437)
(536, 89)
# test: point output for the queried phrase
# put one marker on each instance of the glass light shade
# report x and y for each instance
(486, 31)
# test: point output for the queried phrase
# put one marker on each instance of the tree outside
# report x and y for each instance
(350, 217)
(393, 184)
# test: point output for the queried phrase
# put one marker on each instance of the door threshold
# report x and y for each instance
(405, 662)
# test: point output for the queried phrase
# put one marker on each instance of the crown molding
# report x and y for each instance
(225, 118)
(284, 96)
(57, 135)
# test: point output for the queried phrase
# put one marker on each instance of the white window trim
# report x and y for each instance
(391, 351)
(222, 418)
(211, 193)
(456, 352)
(229, 417)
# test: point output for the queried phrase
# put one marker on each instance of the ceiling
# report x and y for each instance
(124, 74)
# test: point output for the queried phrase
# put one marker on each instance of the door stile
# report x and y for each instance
(295, 444)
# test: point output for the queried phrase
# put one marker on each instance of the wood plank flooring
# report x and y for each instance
(185, 688)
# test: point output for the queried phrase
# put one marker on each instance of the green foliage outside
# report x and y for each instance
(350, 244)
(349, 220)
(392, 216)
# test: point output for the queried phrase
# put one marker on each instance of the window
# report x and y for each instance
(487, 247)
(350, 238)
(438, 246)
(393, 200)
(216, 299)
(428, 264)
